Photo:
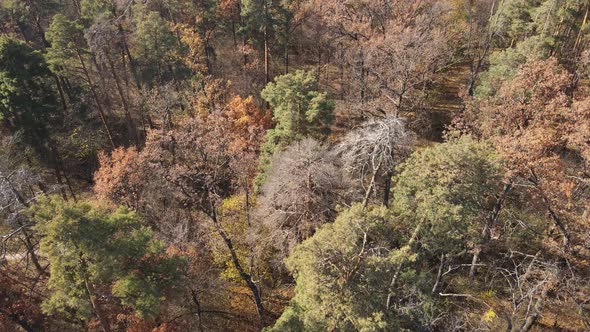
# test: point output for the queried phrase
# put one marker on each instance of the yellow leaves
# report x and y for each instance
(489, 316)
(196, 57)
(490, 293)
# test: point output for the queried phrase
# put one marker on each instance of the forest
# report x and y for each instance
(294, 165)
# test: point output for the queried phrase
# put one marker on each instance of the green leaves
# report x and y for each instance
(92, 250)
(449, 186)
(298, 108)
(155, 47)
(370, 269)
(299, 111)
(342, 273)
(27, 100)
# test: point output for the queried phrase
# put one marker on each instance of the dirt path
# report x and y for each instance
(445, 101)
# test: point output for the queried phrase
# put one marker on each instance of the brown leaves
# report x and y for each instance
(118, 175)
(542, 133)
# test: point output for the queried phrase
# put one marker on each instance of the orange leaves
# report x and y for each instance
(247, 123)
(195, 58)
(116, 174)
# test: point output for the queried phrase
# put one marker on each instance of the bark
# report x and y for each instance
(102, 320)
(439, 273)
(387, 189)
(96, 99)
(266, 58)
(487, 231)
(32, 254)
(286, 47)
(369, 189)
(28, 242)
(532, 318)
(236, 263)
(129, 57)
(400, 266)
(60, 90)
(579, 37)
(266, 46)
(199, 311)
(128, 118)
(556, 219)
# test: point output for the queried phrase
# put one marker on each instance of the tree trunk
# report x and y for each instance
(266, 55)
(96, 100)
(580, 34)
(245, 276)
(400, 265)
(286, 47)
(102, 320)
(266, 59)
(532, 318)
(32, 254)
(487, 231)
(387, 189)
(128, 118)
(236, 263)
(129, 57)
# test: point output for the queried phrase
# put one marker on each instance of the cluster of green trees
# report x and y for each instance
(294, 165)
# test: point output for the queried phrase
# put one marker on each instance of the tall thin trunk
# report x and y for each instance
(236, 262)
(59, 170)
(266, 50)
(60, 90)
(28, 242)
(387, 189)
(96, 100)
(286, 46)
(580, 34)
(266, 58)
(102, 320)
(487, 231)
(548, 204)
(129, 57)
(128, 118)
(400, 265)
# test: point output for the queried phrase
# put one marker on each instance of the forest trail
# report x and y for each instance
(445, 101)
(441, 106)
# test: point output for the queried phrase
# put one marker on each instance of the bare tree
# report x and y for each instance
(19, 188)
(373, 150)
(402, 64)
(301, 193)
(530, 279)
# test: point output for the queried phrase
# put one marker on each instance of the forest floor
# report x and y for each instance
(446, 100)
(442, 104)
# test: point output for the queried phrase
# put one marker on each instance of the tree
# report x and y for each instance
(533, 123)
(68, 43)
(96, 254)
(28, 103)
(103, 38)
(195, 167)
(401, 64)
(298, 108)
(341, 276)
(154, 47)
(260, 19)
(299, 111)
(373, 150)
(445, 192)
(300, 194)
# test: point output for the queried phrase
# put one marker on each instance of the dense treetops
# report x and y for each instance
(294, 165)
